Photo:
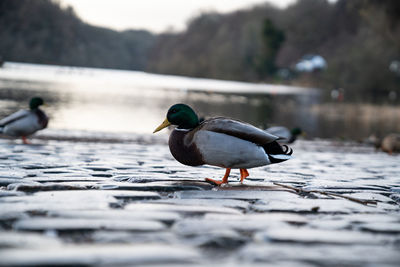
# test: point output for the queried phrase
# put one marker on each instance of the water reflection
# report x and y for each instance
(112, 108)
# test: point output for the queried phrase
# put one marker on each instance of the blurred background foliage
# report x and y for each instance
(40, 31)
(359, 39)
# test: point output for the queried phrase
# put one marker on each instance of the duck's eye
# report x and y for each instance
(173, 111)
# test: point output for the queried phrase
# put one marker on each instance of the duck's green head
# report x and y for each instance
(35, 102)
(296, 131)
(181, 115)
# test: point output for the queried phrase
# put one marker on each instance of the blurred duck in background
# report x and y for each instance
(286, 136)
(221, 142)
(391, 143)
(25, 122)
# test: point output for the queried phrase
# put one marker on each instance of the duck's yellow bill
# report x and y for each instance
(165, 123)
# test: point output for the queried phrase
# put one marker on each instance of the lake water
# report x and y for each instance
(136, 102)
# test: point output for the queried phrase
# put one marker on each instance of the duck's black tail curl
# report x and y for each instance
(277, 153)
(287, 150)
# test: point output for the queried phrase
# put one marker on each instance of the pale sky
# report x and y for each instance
(154, 15)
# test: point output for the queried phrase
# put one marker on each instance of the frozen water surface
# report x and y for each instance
(128, 202)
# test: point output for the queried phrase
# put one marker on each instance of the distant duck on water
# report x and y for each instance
(391, 143)
(221, 142)
(25, 122)
(286, 136)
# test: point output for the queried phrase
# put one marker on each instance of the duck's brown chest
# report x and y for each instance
(42, 118)
(183, 150)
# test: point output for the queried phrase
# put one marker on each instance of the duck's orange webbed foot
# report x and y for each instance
(25, 141)
(224, 179)
(243, 174)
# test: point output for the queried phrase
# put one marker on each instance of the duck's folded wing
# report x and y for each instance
(238, 129)
(13, 117)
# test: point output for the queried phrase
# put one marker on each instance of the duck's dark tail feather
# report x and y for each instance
(277, 153)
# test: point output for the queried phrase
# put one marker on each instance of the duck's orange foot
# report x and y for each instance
(243, 174)
(215, 182)
(224, 179)
(25, 141)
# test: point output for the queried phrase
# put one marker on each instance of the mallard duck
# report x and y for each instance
(221, 142)
(25, 122)
(391, 143)
(286, 136)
